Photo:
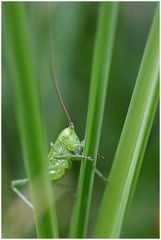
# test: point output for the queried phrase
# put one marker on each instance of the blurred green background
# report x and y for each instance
(73, 27)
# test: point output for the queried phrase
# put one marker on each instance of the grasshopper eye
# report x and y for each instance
(65, 136)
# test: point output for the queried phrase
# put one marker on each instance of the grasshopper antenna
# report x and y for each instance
(54, 79)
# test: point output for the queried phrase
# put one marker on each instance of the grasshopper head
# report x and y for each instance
(70, 139)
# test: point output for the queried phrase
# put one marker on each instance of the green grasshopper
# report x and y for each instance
(63, 152)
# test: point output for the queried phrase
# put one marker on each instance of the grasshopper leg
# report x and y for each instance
(79, 157)
(75, 156)
(82, 144)
(99, 174)
(17, 183)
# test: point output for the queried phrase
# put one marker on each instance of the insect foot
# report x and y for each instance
(101, 157)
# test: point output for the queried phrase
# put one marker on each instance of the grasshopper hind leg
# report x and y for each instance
(19, 183)
(99, 174)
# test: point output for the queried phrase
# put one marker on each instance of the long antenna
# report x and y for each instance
(54, 79)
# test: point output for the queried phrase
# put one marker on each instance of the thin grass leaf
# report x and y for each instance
(100, 73)
(29, 118)
(133, 141)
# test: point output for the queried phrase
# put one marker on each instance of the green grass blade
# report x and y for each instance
(133, 141)
(100, 73)
(29, 118)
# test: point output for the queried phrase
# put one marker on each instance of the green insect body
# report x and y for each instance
(66, 148)
(63, 152)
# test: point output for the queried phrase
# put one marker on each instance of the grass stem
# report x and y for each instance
(100, 73)
(29, 119)
(133, 141)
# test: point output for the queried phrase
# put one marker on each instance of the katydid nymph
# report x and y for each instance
(66, 149)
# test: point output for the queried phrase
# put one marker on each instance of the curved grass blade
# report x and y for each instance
(29, 119)
(133, 141)
(98, 88)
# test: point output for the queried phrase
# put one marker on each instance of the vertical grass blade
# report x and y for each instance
(29, 119)
(98, 88)
(133, 141)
